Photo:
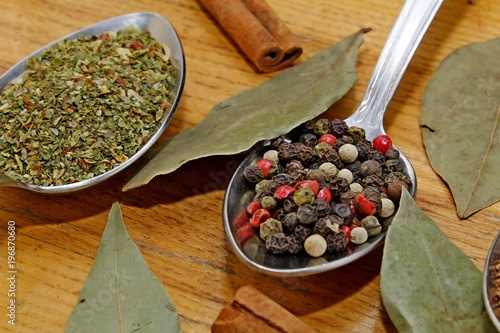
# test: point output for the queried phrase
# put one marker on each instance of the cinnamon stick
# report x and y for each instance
(258, 31)
(253, 312)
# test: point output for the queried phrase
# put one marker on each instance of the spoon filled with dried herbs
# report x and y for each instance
(87, 106)
(323, 195)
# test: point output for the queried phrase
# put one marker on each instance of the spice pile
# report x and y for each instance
(83, 107)
(326, 189)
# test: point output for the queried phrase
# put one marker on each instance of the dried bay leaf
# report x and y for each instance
(427, 283)
(121, 294)
(459, 121)
(269, 110)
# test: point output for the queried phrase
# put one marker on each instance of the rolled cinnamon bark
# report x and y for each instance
(251, 311)
(258, 31)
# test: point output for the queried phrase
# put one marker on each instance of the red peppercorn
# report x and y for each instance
(260, 216)
(362, 206)
(265, 165)
(313, 185)
(253, 206)
(283, 191)
(325, 194)
(382, 143)
(353, 225)
(328, 138)
(244, 233)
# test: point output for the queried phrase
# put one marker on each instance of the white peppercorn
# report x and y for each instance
(359, 235)
(346, 174)
(315, 245)
(356, 187)
(387, 208)
(348, 153)
(330, 169)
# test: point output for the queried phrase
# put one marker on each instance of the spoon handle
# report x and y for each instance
(409, 28)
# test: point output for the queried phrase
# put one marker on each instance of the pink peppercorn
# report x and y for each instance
(325, 194)
(260, 216)
(253, 206)
(313, 185)
(362, 206)
(327, 138)
(244, 233)
(265, 165)
(283, 192)
(347, 231)
(382, 143)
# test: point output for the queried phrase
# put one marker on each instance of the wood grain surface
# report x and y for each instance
(176, 219)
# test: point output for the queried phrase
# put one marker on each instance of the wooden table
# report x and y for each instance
(176, 219)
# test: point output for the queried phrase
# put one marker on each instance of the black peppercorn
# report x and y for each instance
(364, 149)
(277, 243)
(307, 214)
(344, 211)
(253, 174)
(304, 154)
(302, 232)
(336, 242)
(370, 167)
(308, 139)
(392, 154)
(289, 222)
(323, 227)
(293, 165)
(338, 186)
(289, 205)
(338, 127)
(286, 151)
(322, 207)
(294, 244)
(394, 165)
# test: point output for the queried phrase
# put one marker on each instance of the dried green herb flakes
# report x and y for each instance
(84, 106)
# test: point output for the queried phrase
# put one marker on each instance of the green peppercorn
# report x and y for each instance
(372, 225)
(268, 202)
(357, 133)
(272, 155)
(261, 185)
(269, 227)
(321, 126)
(303, 196)
(321, 148)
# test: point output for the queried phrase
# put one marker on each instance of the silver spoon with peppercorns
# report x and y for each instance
(324, 195)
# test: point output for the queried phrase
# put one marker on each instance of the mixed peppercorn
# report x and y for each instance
(321, 189)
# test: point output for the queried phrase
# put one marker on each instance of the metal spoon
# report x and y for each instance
(161, 30)
(410, 26)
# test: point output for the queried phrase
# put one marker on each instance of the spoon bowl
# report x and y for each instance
(408, 30)
(162, 30)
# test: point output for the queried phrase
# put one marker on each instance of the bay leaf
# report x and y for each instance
(266, 111)
(121, 294)
(459, 121)
(427, 283)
